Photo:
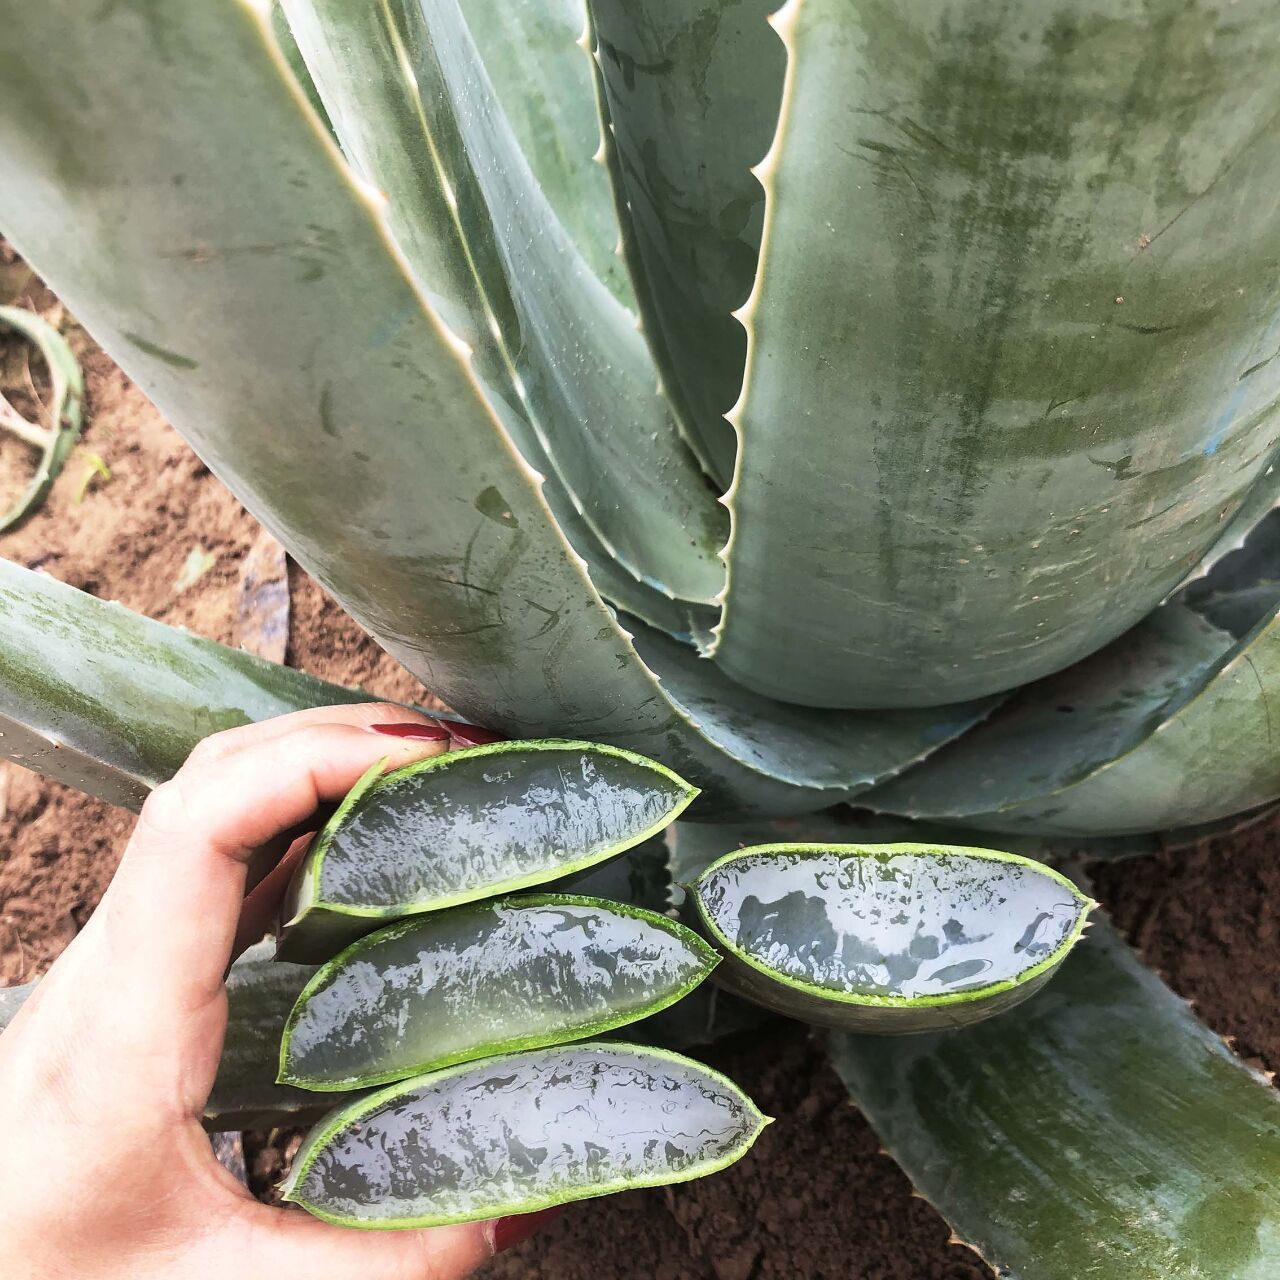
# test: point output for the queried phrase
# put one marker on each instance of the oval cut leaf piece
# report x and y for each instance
(520, 1133)
(486, 978)
(471, 824)
(887, 938)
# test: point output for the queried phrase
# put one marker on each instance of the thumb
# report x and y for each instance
(298, 1244)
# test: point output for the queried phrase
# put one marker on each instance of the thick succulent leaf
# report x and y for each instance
(467, 825)
(489, 978)
(1170, 726)
(468, 1142)
(887, 938)
(1002, 359)
(1258, 509)
(1099, 1130)
(66, 394)
(573, 359)
(260, 994)
(297, 64)
(537, 56)
(693, 90)
(195, 216)
(841, 752)
(112, 703)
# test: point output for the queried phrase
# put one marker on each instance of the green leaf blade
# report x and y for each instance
(108, 701)
(1099, 1130)
(465, 1143)
(887, 938)
(519, 973)
(1028, 387)
(66, 396)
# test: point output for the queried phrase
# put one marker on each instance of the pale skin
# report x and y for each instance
(105, 1170)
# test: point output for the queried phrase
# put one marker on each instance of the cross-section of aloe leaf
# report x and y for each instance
(1098, 1131)
(887, 938)
(469, 825)
(486, 978)
(520, 1133)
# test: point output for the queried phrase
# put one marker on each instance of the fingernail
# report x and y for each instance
(413, 729)
(472, 734)
(509, 1232)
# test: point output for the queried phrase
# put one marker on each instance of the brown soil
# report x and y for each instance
(815, 1199)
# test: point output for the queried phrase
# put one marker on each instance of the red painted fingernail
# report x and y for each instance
(472, 734)
(413, 729)
(508, 1232)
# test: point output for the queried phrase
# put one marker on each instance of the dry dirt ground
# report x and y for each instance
(814, 1199)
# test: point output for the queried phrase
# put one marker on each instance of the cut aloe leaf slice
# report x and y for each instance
(520, 1133)
(486, 978)
(468, 825)
(887, 938)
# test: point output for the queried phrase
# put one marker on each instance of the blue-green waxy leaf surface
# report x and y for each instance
(887, 938)
(491, 977)
(1167, 728)
(469, 825)
(519, 1133)
(1007, 370)
(1097, 1131)
(108, 701)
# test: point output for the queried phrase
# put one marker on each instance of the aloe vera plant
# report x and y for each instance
(830, 400)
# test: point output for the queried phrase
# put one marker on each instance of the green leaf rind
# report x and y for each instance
(655, 1060)
(1099, 1130)
(750, 974)
(702, 959)
(1201, 757)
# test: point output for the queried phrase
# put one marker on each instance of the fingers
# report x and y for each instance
(361, 715)
(175, 901)
(149, 966)
(300, 1245)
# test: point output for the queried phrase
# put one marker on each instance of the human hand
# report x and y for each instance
(105, 1171)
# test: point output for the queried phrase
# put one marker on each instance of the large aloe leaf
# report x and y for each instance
(1098, 1130)
(1170, 726)
(887, 938)
(469, 1142)
(194, 214)
(996, 301)
(693, 89)
(574, 361)
(516, 973)
(537, 56)
(112, 703)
